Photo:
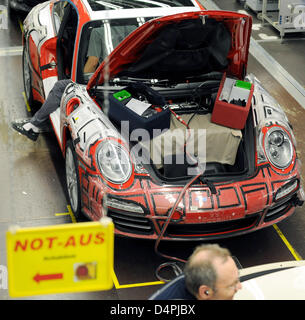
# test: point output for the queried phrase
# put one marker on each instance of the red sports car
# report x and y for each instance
(169, 136)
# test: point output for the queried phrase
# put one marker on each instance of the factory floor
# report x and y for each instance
(32, 174)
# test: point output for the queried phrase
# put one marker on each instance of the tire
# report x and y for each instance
(72, 180)
(27, 78)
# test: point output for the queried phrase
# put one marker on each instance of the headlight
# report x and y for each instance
(278, 147)
(113, 161)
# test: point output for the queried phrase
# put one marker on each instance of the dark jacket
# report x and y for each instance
(174, 290)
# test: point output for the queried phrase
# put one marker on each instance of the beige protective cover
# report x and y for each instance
(221, 142)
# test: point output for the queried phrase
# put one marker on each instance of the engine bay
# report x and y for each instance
(174, 128)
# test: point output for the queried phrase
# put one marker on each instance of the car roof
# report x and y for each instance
(98, 5)
(117, 9)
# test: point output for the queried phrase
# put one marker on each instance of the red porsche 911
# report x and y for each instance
(168, 135)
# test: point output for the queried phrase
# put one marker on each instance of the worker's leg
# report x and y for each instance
(51, 104)
(31, 127)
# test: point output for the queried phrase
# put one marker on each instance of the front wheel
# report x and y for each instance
(72, 179)
(27, 78)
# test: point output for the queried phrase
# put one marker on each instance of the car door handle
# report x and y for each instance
(51, 65)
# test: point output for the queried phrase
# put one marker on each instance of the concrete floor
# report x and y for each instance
(32, 181)
(288, 53)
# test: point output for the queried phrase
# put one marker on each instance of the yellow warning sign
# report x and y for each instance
(60, 259)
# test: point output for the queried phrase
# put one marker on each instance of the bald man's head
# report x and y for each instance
(205, 268)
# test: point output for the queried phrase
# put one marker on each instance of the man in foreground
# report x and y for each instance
(210, 274)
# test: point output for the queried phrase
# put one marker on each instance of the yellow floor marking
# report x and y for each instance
(289, 246)
(132, 285)
(20, 25)
(114, 277)
(69, 213)
(115, 280)
(26, 102)
(143, 284)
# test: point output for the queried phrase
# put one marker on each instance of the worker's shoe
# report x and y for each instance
(26, 128)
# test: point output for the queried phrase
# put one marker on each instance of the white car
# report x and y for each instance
(275, 281)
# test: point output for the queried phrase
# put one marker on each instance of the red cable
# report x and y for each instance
(187, 126)
(170, 216)
(174, 209)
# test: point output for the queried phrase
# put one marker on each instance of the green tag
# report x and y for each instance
(243, 84)
(122, 95)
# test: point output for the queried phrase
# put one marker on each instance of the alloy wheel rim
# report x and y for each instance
(27, 79)
(71, 179)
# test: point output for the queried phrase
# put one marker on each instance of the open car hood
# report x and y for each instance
(181, 45)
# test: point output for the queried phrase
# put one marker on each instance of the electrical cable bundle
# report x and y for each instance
(176, 268)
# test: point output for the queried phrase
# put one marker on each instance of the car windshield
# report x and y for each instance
(98, 40)
(130, 4)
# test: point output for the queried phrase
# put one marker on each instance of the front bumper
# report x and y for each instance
(237, 208)
(133, 225)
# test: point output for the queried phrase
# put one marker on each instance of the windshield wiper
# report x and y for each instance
(150, 82)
